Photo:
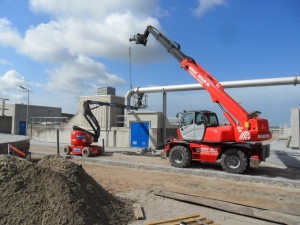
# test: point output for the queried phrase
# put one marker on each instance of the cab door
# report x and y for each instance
(187, 126)
(192, 126)
(199, 126)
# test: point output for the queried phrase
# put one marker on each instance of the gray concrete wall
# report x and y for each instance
(118, 137)
(48, 133)
(5, 124)
(295, 125)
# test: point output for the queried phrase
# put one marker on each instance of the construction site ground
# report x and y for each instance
(127, 173)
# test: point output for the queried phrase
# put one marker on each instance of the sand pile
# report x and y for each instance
(55, 191)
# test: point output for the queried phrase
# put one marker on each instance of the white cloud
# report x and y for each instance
(63, 40)
(206, 5)
(80, 76)
(5, 62)
(9, 83)
(9, 36)
(11, 79)
(96, 9)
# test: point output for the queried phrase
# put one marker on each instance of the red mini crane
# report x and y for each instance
(200, 137)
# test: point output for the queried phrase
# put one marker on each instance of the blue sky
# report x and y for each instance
(61, 50)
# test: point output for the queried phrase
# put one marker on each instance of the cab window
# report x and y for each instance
(199, 118)
(187, 119)
(211, 120)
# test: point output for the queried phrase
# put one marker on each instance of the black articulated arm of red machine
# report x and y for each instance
(92, 120)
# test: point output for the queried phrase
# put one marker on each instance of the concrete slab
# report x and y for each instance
(284, 156)
(19, 141)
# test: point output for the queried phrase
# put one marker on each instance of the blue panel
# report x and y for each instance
(22, 127)
(139, 134)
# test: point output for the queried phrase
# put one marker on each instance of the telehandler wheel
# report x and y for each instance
(180, 156)
(86, 152)
(66, 150)
(234, 161)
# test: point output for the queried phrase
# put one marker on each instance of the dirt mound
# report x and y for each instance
(55, 191)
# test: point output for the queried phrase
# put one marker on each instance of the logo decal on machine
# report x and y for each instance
(245, 135)
(262, 136)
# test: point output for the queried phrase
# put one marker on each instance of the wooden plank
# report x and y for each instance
(138, 211)
(176, 219)
(188, 219)
(232, 208)
(261, 203)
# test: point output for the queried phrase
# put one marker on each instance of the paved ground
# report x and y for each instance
(280, 154)
(7, 138)
(284, 156)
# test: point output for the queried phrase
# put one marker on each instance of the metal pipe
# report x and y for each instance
(227, 84)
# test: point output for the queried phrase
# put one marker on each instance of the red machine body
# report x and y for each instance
(200, 137)
(81, 139)
(81, 144)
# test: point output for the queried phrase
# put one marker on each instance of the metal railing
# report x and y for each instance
(48, 120)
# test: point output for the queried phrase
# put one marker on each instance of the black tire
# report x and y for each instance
(234, 161)
(86, 152)
(67, 150)
(180, 156)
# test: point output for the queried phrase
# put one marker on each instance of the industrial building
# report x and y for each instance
(15, 118)
(119, 128)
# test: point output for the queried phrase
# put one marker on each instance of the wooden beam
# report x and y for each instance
(261, 203)
(233, 208)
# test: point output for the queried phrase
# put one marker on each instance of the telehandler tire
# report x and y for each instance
(234, 161)
(180, 156)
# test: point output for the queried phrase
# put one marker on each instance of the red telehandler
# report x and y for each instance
(200, 137)
(81, 139)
